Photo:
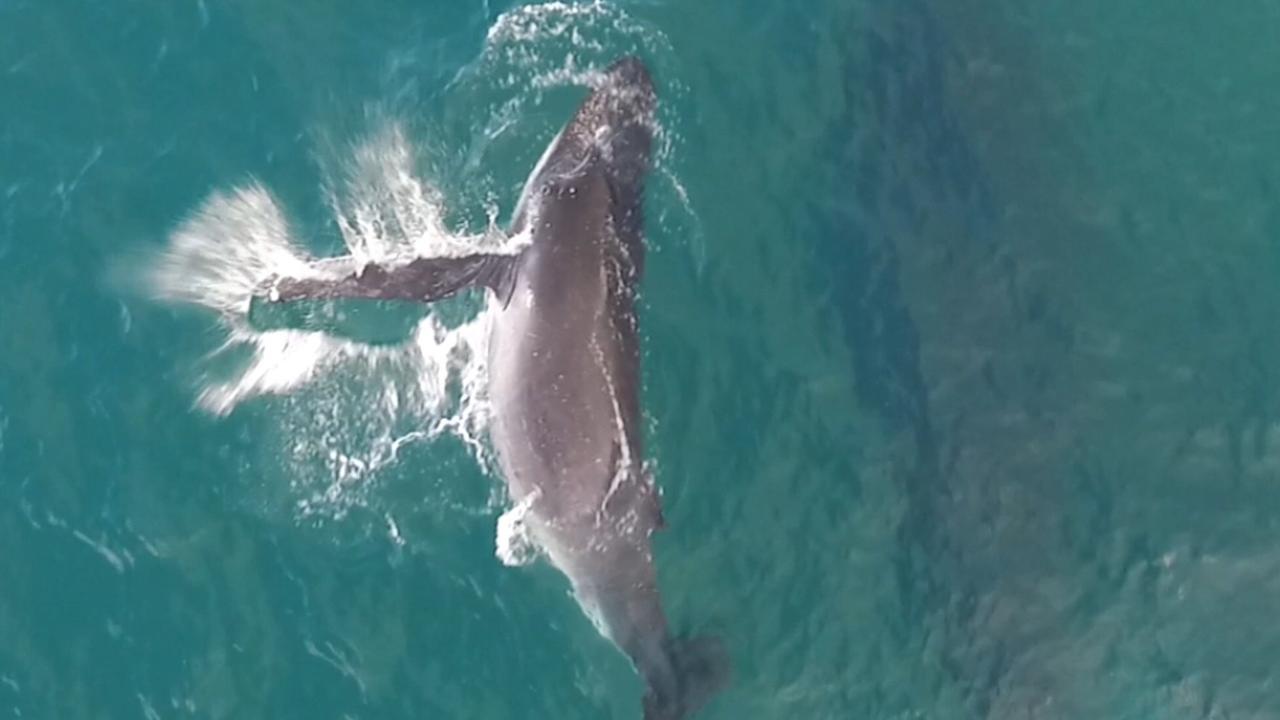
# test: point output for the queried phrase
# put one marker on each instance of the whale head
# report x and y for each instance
(611, 132)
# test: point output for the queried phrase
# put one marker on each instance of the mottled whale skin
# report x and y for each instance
(564, 376)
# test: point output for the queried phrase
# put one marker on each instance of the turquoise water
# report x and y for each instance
(961, 327)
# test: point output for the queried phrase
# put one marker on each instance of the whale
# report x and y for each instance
(564, 375)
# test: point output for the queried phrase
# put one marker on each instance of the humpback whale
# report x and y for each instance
(564, 375)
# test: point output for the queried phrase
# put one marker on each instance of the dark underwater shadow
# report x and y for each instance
(957, 346)
(902, 176)
(1083, 421)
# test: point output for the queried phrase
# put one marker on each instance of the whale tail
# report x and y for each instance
(701, 668)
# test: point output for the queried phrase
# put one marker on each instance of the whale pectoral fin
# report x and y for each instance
(420, 280)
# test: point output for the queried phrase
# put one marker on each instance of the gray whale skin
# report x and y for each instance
(564, 376)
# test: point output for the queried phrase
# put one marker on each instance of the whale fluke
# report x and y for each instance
(701, 670)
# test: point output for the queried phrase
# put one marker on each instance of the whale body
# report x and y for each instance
(564, 375)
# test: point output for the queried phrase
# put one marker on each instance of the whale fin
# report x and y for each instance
(701, 667)
(420, 280)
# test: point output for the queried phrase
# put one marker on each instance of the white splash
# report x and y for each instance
(556, 44)
(218, 257)
(239, 238)
(366, 402)
(386, 212)
(538, 23)
(514, 543)
(120, 561)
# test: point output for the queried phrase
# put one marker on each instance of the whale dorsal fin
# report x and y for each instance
(419, 280)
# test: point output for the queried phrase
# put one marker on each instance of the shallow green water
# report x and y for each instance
(961, 338)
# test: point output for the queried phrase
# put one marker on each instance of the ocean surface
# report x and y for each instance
(961, 358)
